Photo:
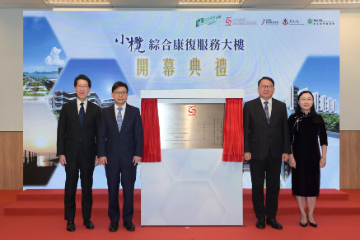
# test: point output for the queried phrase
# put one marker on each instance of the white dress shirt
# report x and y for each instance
(79, 106)
(269, 105)
(122, 111)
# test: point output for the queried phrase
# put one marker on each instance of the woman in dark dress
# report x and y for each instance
(306, 128)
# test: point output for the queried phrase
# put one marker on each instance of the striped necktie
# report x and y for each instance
(267, 111)
(119, 119)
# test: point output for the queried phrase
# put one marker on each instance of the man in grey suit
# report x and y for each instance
(266, 143)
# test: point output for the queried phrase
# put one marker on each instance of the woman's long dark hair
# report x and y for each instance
(316, 118)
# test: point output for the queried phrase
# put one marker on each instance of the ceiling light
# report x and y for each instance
(223, 2)
(335, 1)
(77, 2)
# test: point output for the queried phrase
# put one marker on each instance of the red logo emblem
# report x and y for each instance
(192, 110)
(285, 22)
(264, 20)
(228, 21)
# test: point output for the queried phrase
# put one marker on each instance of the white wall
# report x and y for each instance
(11, 66)
(350, 69)
(11, 70)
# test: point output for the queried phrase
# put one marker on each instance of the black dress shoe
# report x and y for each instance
(113, 226)
(311, 224)
(274, 224)
(88, 224)
(303, 224)
(70, 226)
(260, 223)
(129, 226)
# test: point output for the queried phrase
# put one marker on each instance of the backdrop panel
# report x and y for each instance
(173, 50)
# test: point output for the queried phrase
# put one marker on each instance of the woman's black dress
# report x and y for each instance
(305, 135)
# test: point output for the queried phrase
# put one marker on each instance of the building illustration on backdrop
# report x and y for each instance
(61, 97)
(322, 103)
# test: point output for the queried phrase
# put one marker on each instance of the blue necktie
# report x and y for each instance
(81, 114)
(119, 118)
(267, 111)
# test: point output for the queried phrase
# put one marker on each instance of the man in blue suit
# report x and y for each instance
(120, 143)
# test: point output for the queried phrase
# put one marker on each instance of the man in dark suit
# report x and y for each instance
(266, 143)
(120, 146)
(76, 148)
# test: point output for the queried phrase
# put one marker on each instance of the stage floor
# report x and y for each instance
(330, 226)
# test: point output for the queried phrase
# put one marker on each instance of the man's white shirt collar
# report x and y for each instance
(78, 102)
(122, 112)
(79, 106)
(263, 100)
(123, 107)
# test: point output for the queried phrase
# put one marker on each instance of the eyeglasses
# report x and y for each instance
(120, 93)
(268, 87)
(82, 86)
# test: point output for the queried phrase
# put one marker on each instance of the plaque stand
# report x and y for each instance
(191, 186)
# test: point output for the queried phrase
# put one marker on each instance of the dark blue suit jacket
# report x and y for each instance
(120, 147)
(71, 136)
(261, 137)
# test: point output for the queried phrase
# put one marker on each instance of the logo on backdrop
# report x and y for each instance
(285, 22)
(192, 110)
(228, 21)
(292, 22)
(269, 22)
(320, 22)
(207, 21)
(239, 21)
